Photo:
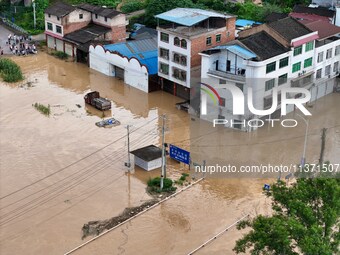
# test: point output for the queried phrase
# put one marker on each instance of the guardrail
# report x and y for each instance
(10, 24)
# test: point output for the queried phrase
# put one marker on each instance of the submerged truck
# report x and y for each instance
(93, 98)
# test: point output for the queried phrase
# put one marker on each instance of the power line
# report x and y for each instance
(72, 164)
(91, 194)
(50, 198)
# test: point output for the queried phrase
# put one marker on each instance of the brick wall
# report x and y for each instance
(118, 34)
(198, 44)
(71, 27)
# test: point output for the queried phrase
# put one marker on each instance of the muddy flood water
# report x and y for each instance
(62, 171)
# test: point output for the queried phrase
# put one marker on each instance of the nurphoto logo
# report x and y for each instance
(238, 104)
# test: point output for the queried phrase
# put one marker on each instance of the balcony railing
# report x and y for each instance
(230, 76)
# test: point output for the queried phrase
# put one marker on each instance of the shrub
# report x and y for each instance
(156, 182)
(46, 110)
(10, 71)
(60, 54)
(131, 6)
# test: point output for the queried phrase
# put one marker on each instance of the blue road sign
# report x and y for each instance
(179, 154)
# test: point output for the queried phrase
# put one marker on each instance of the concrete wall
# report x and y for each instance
(174, 49)
(148, 166)
(135, 74)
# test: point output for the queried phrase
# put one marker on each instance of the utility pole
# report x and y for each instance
(163, 174)
(128, 164)
(323, 142)
(34, 16)
(303, 159)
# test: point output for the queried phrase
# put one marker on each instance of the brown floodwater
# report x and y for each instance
(62, 171)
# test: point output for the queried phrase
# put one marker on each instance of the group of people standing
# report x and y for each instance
(19, 45)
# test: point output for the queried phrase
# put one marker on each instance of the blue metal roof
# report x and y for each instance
(245, 22)
(189, 16)
(238, 50)
(144, 50)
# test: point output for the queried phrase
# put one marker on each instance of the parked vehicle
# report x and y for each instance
(111, 122)
(93, 98)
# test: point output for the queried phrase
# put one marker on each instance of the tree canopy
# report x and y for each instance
(306, 220)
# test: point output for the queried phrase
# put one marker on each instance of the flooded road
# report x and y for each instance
(62, 171)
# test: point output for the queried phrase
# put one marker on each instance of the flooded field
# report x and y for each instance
(62, 171)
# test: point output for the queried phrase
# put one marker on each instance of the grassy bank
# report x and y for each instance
(10, 71)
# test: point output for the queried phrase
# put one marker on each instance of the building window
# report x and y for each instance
(328, 70)
(318, 73)
(308, 62)
(179, 74)
(222, 81)
(177, 41)
(329, 53)
(218, 38)
(271, 67)
(58, 29)
(183, 60)
(337, 50)
(239, 85)
(164, 53)
(58, 18)
(269, 84)
(320, 57)
(309, 46)
(283, 62)
(80, 16)
(164, 37)
(49, 26)
(183, 44)
(336, 67)
(208, 41)
(267, 102)
(283, 79)
(96, 16)
(222, 101)
(297, 50)
(105, 19)
(49, 15)
(296, 67)
(179, 59)
(163, 68)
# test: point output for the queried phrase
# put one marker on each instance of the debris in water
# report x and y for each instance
(97, 227)
(111, 122)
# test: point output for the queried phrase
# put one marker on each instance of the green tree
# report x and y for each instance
(305, 220)
(288, 3)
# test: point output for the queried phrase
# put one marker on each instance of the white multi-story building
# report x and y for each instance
(280, 54)
(182, 34)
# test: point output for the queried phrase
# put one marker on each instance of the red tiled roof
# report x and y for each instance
(309, 17)
(325, 29)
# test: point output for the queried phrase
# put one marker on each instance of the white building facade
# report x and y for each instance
(309, 63)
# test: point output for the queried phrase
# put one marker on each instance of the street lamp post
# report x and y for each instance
(303, 159)
(34, 17)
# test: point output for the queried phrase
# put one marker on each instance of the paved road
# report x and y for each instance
(4, 32)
